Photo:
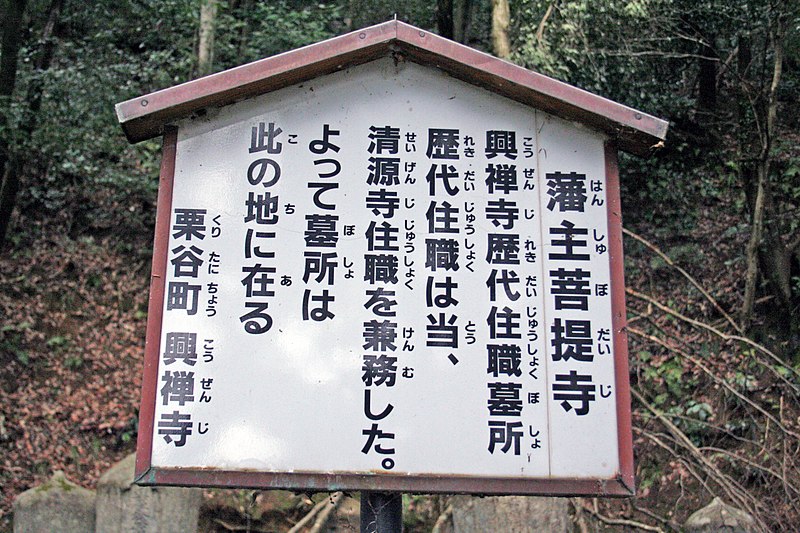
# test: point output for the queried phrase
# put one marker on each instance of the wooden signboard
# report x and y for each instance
(387, 262)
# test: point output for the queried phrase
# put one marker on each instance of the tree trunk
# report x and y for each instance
(10, 47)
(243, 6)
(753, 245)
(707, 78)
(501, 18)
(462, 11)
(9, 52)
(43, 60)
(205, 47)
(444, 18)
(13, 165)
(762, 193)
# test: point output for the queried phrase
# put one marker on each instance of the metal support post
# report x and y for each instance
(381, 512)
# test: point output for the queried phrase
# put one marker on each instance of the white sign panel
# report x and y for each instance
(387, 271)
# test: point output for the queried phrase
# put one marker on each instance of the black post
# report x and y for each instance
(381, 512)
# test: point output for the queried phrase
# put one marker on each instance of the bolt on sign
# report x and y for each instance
(388, 262)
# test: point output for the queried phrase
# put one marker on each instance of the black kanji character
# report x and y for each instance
(175, 424)
(384, 139)
(381, 237)
(568, 191)
(383, 202)
(505, 278)
(502, 249)
(504, 359)
(574, 387)
(570, 288)
(501, 178)
(187, 261)
(321, 231)
(189, 223)
(180, 345)
(380, 268)
(442, 332)
(258, 280)
(379, 336)
(572, 340)
(506, 433)
(445, 174)
(502, 213)
(263, 208)
(379, 369)
(568, 231)
(504, 399)
(441, 254)
(384, 171)
(503, 323)
(178, 387)
(501, 142)
(442, 143)
(181, 295)
(323, 264)
(263, 137)
(441, 217)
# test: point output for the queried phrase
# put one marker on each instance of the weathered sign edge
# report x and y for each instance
(155, 307)
(619, 319)
(418, 484)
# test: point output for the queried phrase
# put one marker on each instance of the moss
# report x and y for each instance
(58, 480)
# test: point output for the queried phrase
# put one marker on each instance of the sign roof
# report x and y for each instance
(633, 131)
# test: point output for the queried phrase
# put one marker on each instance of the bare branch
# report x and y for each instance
(595, 512)
(540, 29)
(327, 506)
(732, 488)
(715, 378)
(322, 520)
(721, 335)
(652, 53)
(685, 274)
(309, 516)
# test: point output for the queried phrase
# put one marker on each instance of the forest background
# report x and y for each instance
(712, 222)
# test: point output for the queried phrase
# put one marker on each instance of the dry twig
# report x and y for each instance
(733, 489)
(309, 516)
(720, 334)
(685, 274)
(442, 520)
(325, 515)
(595, 512)
(715, 378)
(328, 504)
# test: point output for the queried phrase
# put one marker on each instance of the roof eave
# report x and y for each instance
(633, 131)
(144, 117)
